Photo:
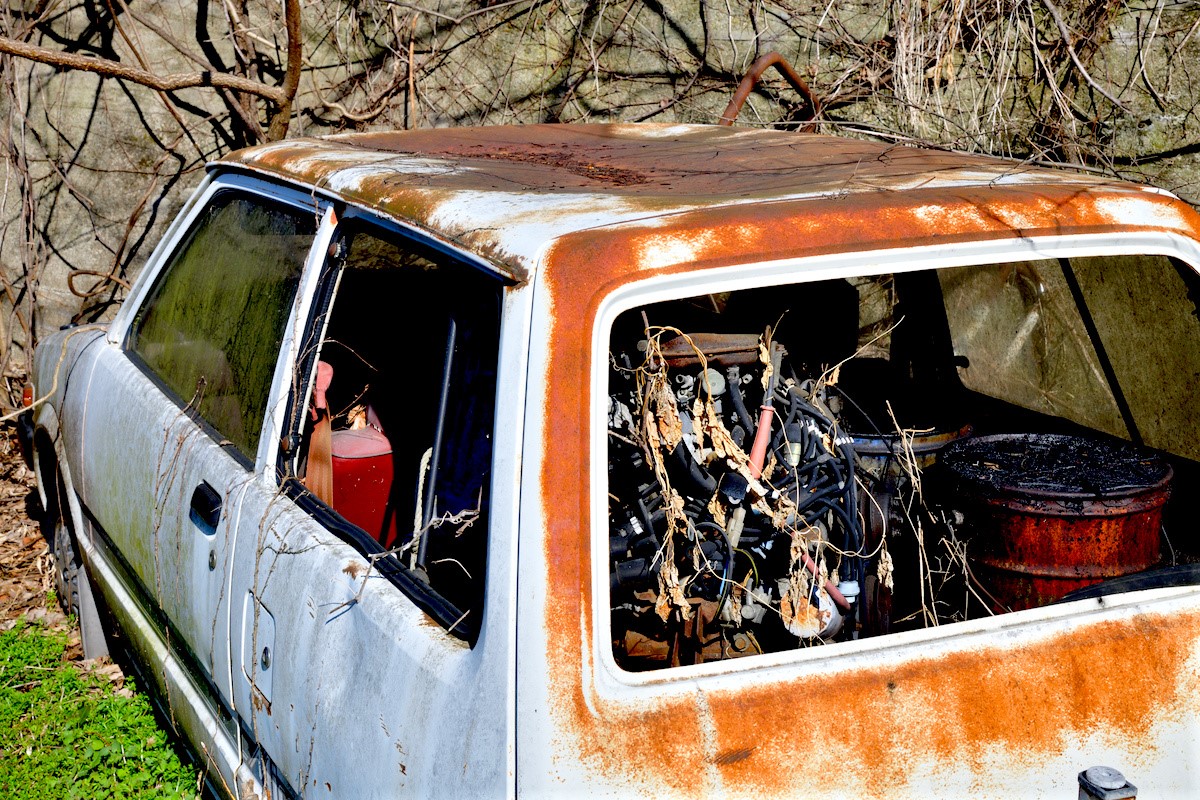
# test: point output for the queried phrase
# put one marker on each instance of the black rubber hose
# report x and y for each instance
(823, 422)
(644, 513)
(727, 572)
(813, 497)
(847, 451)
(733, 378)
(683, 457)
(848, 526)
(793, 409)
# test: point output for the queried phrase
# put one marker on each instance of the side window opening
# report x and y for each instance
(845, 459)
(412, 342)
(212, 325)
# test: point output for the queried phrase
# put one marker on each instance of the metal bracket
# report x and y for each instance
(751, 81)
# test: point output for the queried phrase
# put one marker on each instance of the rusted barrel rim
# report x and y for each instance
(921, 442)
(1082, 506)
(1028, 496)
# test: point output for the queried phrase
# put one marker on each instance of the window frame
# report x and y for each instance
(296, 398)
(178, 235)
(656, 289)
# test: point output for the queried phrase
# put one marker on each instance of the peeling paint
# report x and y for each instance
(1013, 713)
(506, 191)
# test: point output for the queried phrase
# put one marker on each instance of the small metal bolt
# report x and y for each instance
(1105, 777)
(265, 661)
(1105, 783)
(212, 560)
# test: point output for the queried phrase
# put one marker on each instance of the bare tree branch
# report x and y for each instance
(455, 20)
(1065, 32)
(291, 78)
(166, 83)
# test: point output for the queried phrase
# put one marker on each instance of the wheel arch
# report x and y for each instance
(50, 467)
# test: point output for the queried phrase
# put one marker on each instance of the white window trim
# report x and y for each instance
(892, 647)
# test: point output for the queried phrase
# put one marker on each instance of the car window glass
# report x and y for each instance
(211, 327)
(412, 341)
(1147, 322)
(1024, 341)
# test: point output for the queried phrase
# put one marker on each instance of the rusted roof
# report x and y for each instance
(506, 192)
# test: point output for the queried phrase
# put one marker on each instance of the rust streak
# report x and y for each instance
(862, 730)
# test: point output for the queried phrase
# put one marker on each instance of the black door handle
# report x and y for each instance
(206, 505)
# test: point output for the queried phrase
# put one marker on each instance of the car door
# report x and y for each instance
(370, 664)
(175, 407)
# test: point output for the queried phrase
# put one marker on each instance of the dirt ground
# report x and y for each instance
(26, 567)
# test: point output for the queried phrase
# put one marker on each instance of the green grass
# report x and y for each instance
(65, 733)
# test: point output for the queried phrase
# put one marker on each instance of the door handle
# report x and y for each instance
(206, 506)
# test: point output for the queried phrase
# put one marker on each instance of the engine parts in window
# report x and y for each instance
(732, 531)
(762, 500)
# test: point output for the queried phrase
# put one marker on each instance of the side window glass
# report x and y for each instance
(1025, 342)
(1146, 319)
(211, 327)
(411, 345)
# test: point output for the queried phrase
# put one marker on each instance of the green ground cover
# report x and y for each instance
(67, 732)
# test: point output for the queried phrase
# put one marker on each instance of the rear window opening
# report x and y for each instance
(843, 459)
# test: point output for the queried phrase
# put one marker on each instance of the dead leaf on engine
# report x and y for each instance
(800, 616)
(769, 468)
(783, 513)
(670, 591)
(735, 600)
(676, 518)
(831, 378)
(717, 508)
(885, 569)
(764, 355)
(708, 424)
(667, 427)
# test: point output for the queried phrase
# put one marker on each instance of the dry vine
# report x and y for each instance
(96, 163)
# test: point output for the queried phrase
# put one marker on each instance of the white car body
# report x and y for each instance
(295, 667)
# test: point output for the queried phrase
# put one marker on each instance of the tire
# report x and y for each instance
(67, 566)
(71, 581)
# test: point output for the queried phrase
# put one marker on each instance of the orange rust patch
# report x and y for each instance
(1115, 676)
(606, 257)
(713, 163)
(560, 157)
(869, 727)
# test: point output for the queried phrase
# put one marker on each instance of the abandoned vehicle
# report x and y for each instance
(646, 460)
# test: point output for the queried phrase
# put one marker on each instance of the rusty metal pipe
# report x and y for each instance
(762, 435)
(754, 75)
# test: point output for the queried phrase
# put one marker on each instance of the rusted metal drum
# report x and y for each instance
(1047, 514)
